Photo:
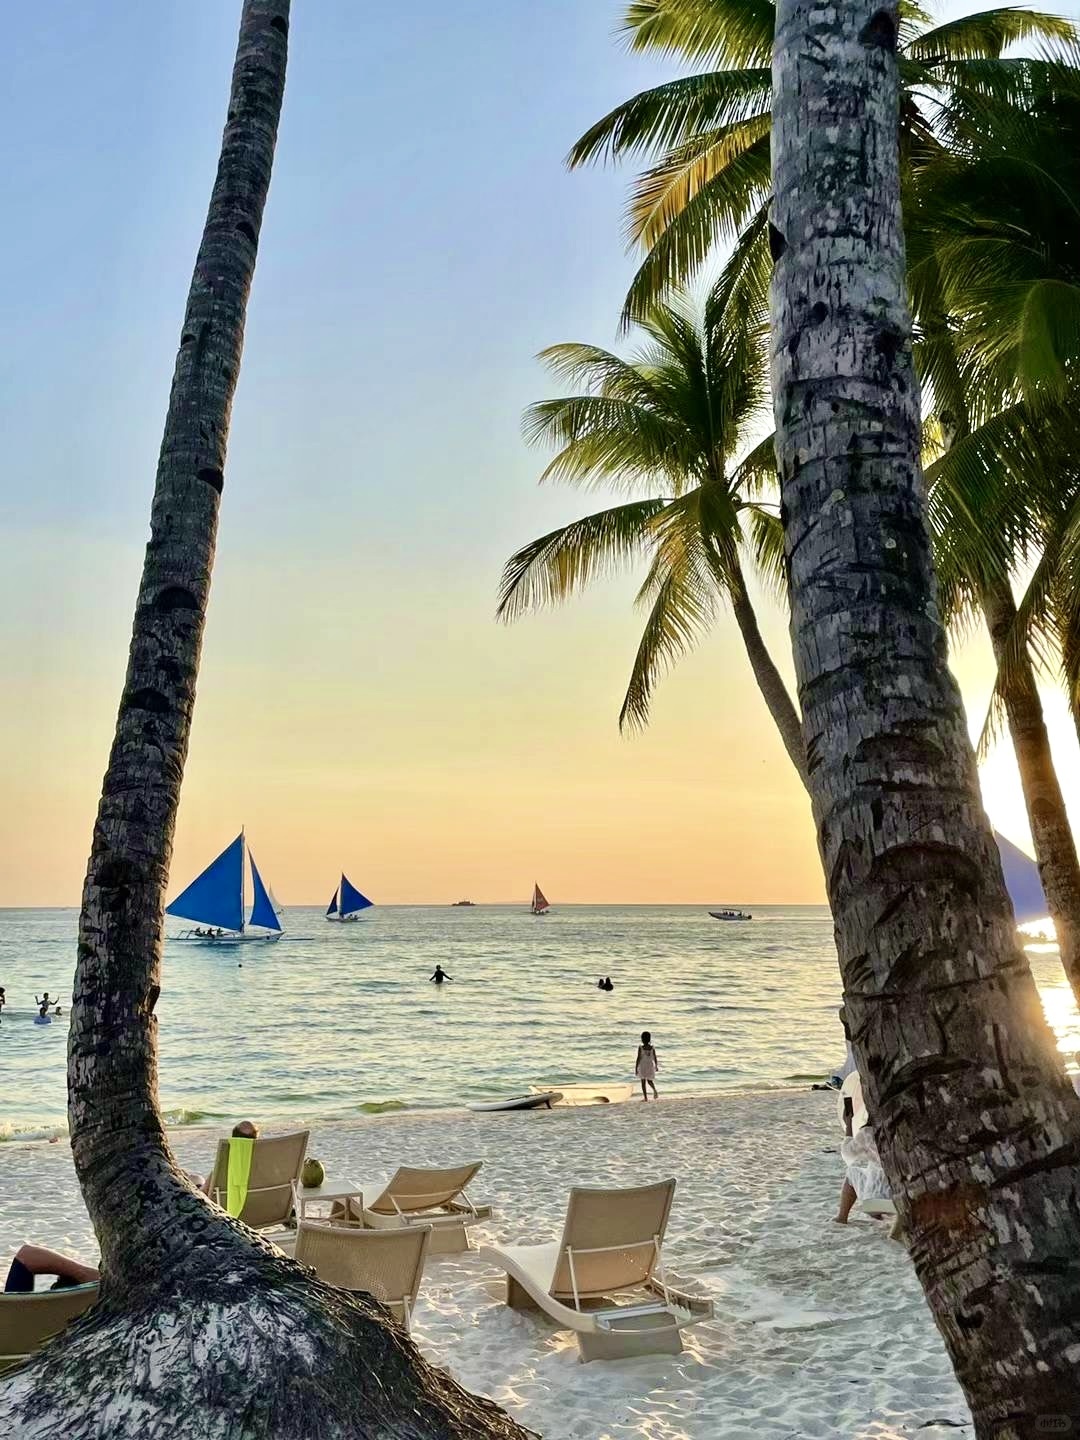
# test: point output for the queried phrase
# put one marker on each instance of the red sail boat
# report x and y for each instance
(539, 904)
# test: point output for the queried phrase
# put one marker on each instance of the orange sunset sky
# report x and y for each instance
(358, 708)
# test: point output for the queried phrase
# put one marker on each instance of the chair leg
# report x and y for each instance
(628, 1344)
(449, 1240)
(517, 1297)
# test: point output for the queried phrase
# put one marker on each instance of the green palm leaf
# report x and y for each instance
(716, 211)
(673, 114)
(987, 33)
(725, 32)
(557, 565)
(683, 608)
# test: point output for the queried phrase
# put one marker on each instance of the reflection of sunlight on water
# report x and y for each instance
(1058, 1001)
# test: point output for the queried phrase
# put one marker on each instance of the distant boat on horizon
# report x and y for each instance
(457, 903)
(730, 915)
(347, 903)
(540, 904)
(215, 898)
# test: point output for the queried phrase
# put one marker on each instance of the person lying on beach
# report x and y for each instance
(440, 975)
(33, 1260)
(646, 1065)
(864, 1177)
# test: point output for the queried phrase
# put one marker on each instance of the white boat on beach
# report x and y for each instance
(540, 904)
(215, 902)
(347, 903)
(586, 1094)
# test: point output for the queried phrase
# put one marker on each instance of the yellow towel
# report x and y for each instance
(240, 1153)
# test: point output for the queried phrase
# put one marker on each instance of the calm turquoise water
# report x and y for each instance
(336, 1021)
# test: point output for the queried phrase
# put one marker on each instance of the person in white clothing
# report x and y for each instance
(864, 1177)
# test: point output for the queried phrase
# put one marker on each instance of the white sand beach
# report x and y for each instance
(819, 1330)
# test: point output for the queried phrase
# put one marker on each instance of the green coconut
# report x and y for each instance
(312, 1174)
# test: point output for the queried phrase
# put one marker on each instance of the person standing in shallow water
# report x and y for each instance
(440, 975)
(646, 1066)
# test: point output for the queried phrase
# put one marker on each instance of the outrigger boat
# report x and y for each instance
(215, 902)
(346, 903)
(540, 905)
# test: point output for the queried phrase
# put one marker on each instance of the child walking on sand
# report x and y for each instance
(647, 1065)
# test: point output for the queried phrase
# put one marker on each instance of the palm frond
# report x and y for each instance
(987, 33)
(557, 565)
(715, 212)
(683, 608)
(665, 190)
(1049, 340)
(724, 32)
(766, 535)
(670, 115)
(605, 440)
(742, 291)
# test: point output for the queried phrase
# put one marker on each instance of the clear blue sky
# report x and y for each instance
(358, 706)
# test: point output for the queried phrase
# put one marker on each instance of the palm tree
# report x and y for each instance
(978, 270)
(665, 427)
(202, 1328)
(707, 135)
(978, 1128)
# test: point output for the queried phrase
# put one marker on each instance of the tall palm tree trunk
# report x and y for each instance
(769, 680)
(203, 1330)
(978, 1128)
(1051, 833)
(112, 1049)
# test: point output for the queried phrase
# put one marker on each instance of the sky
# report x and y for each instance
(358, 706)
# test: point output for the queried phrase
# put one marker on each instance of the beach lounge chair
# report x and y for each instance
(612, 1244)
(428, 1197)
(28, 1321)
(387, 1264)
(266, 1199)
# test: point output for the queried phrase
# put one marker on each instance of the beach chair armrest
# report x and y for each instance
(679, 1293)
(469, 1210)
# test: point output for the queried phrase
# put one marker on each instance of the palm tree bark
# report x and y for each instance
(977, 1126)
(1051, 833)
(202, 1330)
(769, 680)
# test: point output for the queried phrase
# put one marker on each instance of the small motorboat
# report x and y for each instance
(730, 915)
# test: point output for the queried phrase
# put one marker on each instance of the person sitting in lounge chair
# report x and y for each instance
(30, 1261)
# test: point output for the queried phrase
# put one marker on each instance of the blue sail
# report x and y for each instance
(1022, 882)
(216, 897)
(351, 899)
(262, 909)
(331, 909)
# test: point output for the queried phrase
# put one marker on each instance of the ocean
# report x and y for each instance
(338, 1021)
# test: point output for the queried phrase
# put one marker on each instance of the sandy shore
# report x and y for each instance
(819, 1330)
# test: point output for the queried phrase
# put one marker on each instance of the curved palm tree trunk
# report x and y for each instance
(1051, 833)
(978, 1129)
(203, 1331)
(769, 680)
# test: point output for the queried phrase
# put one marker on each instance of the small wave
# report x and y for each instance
(180, 1116)
(16, 1133)
(381, 1107)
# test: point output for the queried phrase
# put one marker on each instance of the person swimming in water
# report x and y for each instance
(440, 975)
(43, 1003)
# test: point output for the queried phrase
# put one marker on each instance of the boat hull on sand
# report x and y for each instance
(542, 1101)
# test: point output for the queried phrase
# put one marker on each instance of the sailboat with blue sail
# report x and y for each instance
(215, 902)
(347, 903)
